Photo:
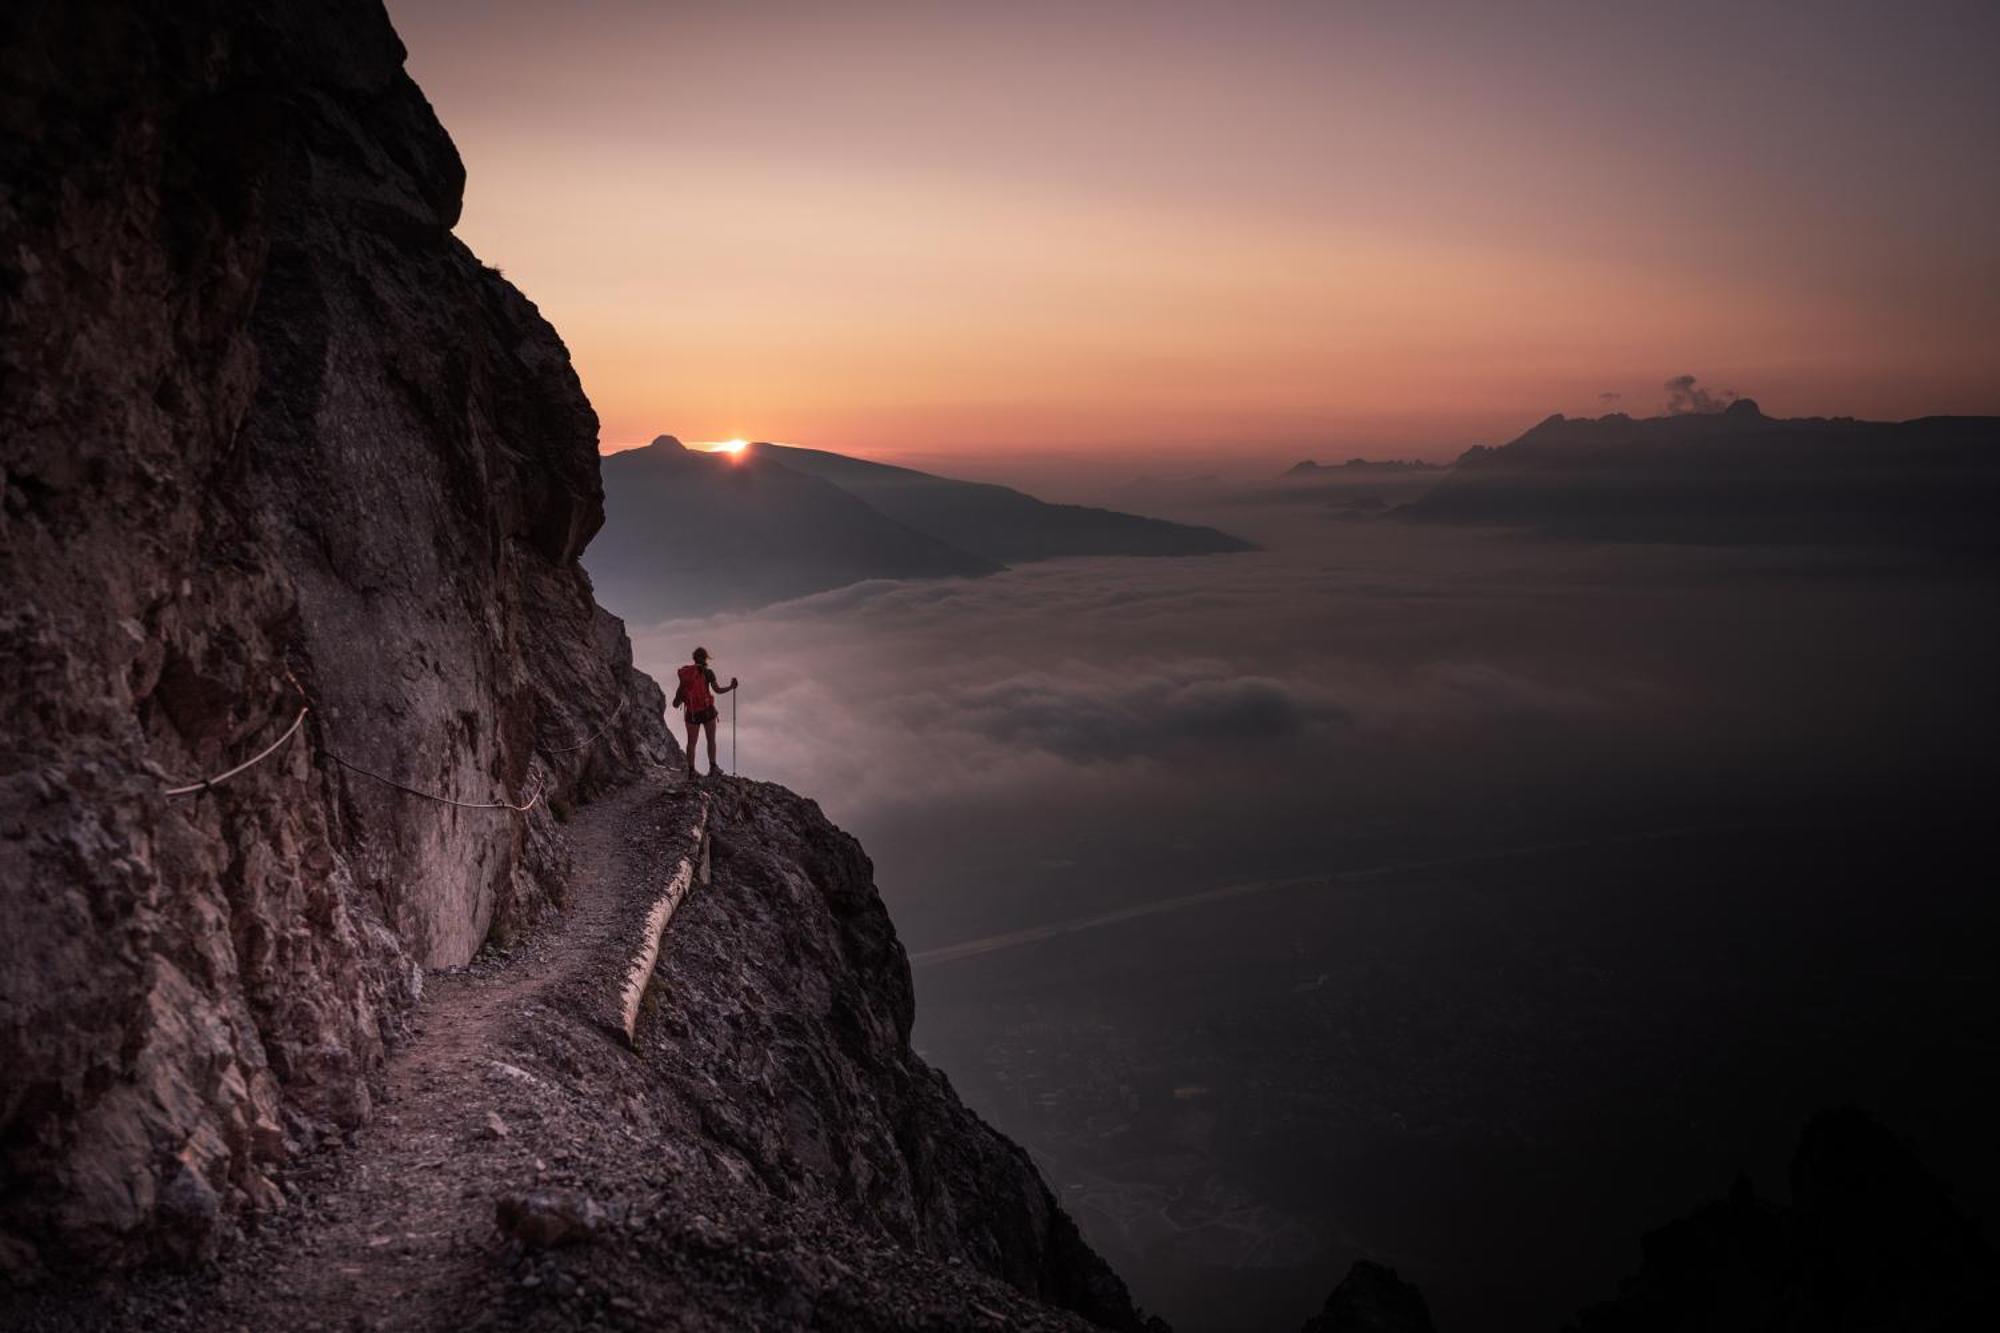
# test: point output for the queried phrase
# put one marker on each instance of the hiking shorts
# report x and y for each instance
(695, 719)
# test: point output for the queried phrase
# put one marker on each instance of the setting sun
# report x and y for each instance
(734, 448)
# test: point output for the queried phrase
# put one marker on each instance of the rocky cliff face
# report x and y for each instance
(272, 436)
(779, 1051)
(285, 469)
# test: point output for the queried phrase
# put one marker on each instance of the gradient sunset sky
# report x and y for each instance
(1238, 230)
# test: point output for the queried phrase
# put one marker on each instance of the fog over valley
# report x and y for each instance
(1292, 903)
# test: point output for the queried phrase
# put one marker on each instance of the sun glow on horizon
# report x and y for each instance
(1287, 230)
(733, 447)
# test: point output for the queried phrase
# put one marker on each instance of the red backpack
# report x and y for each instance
(694, 689)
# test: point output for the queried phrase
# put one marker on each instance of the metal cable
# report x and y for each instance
(541, 788)
(260, 757)
(601, 733)
(352, 767)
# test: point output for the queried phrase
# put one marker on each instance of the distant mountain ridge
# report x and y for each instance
(1309, 468)
(690, 533)
(1737, 477)
(999, 522)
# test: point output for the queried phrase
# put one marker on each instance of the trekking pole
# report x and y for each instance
(732, 729)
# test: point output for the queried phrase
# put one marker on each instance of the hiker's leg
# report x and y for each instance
(711, 745)
(694, 730)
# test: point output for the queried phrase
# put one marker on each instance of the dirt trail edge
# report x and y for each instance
(765, 1152)
(397, 1228)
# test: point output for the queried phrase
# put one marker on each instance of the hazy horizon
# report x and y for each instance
(1276, 229)
(1166, 481)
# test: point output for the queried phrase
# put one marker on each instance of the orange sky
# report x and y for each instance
(1254, 230)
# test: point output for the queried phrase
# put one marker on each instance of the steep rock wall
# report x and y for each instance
(778, 1046)
(271, 437)
(269, 434)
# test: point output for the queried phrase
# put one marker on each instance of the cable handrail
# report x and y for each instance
(259, 758)
(541, 788)
(601, 732)
(353, 767)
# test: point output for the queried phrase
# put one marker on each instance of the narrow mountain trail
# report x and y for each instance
(396, 1229)
(763, 1152)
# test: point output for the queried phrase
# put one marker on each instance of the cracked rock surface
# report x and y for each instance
(769, 1153)
(269, 434)
(315, 1048)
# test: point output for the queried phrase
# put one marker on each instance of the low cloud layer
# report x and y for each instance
(1072, 736)
(1349, 826)
(1263, 667)
(1107, 716)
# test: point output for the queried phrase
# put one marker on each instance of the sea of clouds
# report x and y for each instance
(1146, 828)
(1260, 712)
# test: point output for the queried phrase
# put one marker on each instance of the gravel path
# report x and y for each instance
(395, 1227)
(768, 1154)
(399, 1228)
(404, 1228)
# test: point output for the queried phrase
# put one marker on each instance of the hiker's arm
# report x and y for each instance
(724, 689)
(680, 696)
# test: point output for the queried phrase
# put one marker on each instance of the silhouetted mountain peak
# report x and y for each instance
(1870, 1240)
(688, 531)
(1313, 468)
(999, 522)
(1617, 430)
(1372, 1298)
(1735, 476)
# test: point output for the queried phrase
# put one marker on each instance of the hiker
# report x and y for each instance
(696, 696)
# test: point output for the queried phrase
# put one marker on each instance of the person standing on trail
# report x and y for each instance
(696, 698)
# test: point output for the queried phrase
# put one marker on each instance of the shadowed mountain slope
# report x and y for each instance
(998, 522)
(689, 533)
(1870, 1240)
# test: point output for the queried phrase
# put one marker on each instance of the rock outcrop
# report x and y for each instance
(780, 1049)
(1372, 1298)
(1870, 1240)
(269, 436)
(288, 474)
